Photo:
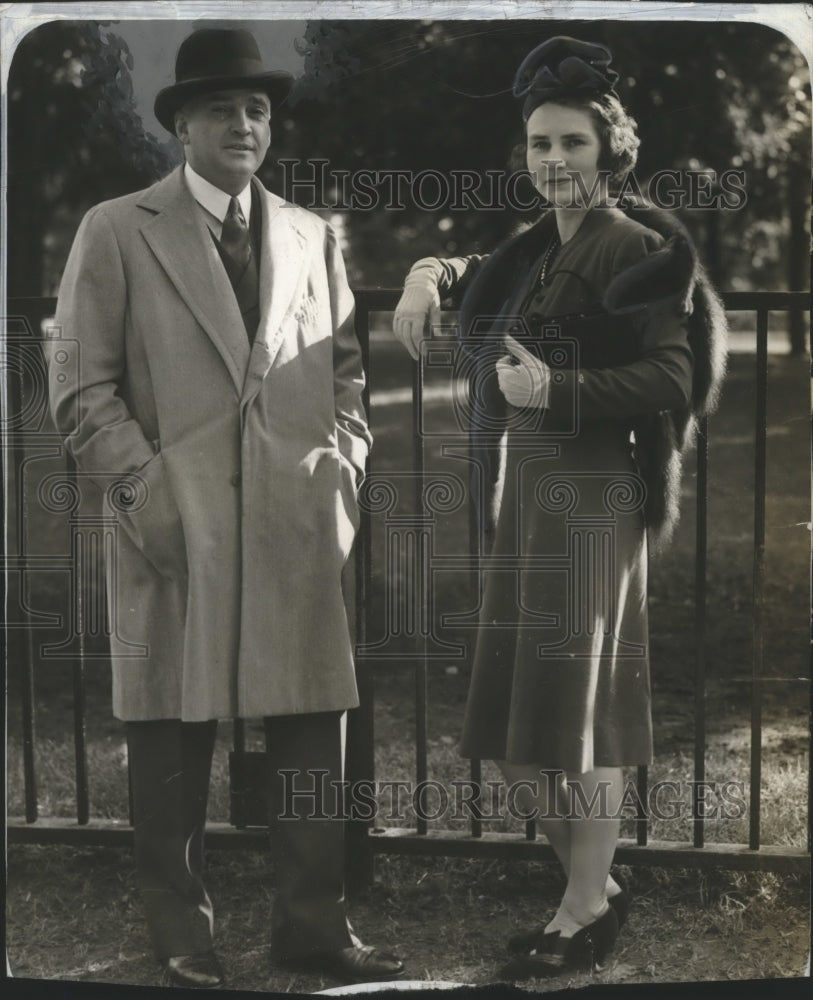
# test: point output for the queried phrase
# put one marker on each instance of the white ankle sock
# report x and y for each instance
(567, 925)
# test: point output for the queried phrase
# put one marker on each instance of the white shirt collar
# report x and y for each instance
(215, 201)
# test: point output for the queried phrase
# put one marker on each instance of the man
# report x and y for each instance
(215, 395)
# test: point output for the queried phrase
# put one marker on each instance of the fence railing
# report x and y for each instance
(25, 438)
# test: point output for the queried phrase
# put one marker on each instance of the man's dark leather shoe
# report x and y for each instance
(202, 972)
(360, 963)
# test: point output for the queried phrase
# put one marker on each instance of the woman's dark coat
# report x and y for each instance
(681, 284)
(560, 675)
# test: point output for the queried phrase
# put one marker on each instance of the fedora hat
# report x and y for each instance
(214, 59)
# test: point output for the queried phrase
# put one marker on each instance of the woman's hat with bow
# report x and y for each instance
(563, 66)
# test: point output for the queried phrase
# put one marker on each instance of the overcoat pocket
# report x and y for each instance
(147, 511)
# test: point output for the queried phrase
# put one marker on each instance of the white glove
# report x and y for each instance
(526, 383)
(419, 305)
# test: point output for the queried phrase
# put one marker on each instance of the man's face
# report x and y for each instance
(226, 135)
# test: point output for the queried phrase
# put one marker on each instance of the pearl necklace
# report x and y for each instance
(547, 260)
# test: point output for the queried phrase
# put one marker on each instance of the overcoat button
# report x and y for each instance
(235, 479)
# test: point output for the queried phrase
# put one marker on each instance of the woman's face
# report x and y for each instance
(563, 149)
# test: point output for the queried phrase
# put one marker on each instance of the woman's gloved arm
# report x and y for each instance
(429, 280)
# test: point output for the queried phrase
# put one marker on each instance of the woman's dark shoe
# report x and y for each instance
(201, 972)
(537, 940)
(584, 950)
(524, 942)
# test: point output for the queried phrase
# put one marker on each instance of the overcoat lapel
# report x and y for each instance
(282, 263)
(179, 238)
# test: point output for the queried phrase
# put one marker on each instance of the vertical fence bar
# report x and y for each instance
(476, 771)
(422, 568)
(84, 571)
(238, 779)
(29, 731)
(238, 776)
(360, 862)
(642, 790)
(80, 744)
(23, 640)
(701, 538)
(760, 460)
(421, 763)
(130, 807)
(475, 551)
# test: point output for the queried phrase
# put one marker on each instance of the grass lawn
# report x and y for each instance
(72, 914)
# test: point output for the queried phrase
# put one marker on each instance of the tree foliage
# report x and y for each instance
(417, 96)
(74, 138)
(436, 95)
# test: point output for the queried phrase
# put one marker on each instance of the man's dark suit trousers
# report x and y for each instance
(170, 765)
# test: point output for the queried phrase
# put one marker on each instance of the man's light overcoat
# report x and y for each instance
(240, 509)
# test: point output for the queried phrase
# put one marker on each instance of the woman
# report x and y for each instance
(579, 457)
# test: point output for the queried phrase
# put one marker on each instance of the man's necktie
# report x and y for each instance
(234, 238)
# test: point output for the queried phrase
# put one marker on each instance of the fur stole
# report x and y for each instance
(673, 278)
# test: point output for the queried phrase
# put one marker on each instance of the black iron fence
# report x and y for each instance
(27, 437)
